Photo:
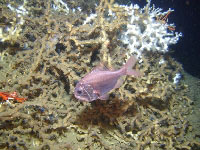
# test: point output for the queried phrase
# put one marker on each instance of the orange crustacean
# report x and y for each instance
(163, 20)
(11, 96)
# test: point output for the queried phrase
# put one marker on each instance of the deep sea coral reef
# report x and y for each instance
(47, 46)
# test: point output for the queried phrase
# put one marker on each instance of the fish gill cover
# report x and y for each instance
(47, 46)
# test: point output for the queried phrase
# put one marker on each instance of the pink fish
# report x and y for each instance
(101, 80)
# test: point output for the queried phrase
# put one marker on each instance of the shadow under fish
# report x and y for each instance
(101, 80)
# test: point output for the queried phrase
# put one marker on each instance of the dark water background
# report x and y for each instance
(187, 20)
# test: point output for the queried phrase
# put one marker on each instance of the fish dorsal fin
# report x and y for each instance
(100, 67)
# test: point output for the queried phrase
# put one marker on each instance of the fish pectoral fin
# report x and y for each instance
(104, 97)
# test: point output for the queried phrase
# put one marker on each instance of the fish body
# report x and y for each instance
(101, 80)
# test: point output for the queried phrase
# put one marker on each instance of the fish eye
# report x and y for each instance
(79, 92)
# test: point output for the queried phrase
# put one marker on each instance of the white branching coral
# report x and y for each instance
(177, 78)
(59, 5)
(10, 33)
(89, 18)
(148, 30)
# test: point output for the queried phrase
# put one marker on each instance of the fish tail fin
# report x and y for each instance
(128, 67)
